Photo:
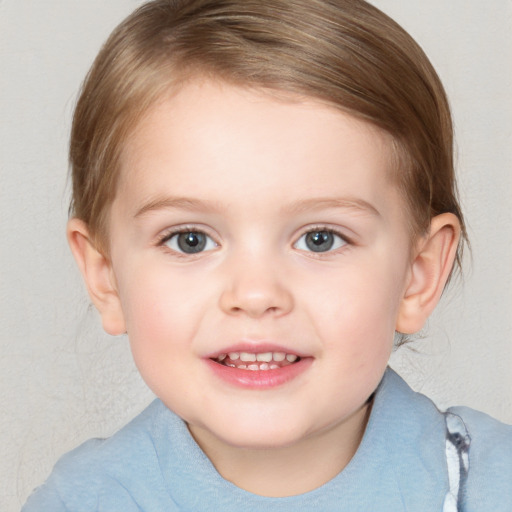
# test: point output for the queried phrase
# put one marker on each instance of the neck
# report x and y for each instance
(290, 470)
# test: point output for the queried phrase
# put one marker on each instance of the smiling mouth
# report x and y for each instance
(256, 361)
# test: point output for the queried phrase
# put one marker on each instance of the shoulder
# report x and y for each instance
(490, 460)
(421, 431)
(106, 474)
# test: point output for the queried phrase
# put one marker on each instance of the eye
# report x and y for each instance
(189, 242)
(320, 240)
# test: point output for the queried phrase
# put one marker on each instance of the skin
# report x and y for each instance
(256, 173)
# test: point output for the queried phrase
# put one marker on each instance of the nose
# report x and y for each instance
(255, 290)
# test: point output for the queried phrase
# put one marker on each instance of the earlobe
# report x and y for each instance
(430, 269)
(98, 276)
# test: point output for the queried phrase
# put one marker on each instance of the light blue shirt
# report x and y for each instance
(153, 464)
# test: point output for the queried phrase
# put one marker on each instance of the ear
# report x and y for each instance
(431, 266)
(99, 278)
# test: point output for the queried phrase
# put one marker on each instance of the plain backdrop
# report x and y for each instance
(62, 380)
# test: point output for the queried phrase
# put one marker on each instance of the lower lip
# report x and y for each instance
(259, 379)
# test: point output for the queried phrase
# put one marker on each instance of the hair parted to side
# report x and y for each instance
(343, 52)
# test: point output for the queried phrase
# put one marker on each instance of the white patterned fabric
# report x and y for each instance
(458, 443)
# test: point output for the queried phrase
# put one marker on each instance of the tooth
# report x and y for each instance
(253, 367)
(245, 356)
(232, 365)
(242, 366)
(274, 366)
(291, 358)
(264, 366)
(266, 357)
(222, 357)
(234, 356)
(279, 356)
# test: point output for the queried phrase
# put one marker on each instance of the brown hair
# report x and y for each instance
(344, 52)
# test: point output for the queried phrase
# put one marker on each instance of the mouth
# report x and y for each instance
(265, 369)
(261, 361)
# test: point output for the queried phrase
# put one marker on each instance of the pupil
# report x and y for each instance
(319, 241)
(191, 243)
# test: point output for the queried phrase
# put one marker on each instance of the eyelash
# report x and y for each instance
(324, 229)
(163, 240)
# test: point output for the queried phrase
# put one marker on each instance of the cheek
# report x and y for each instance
(365, 295)
(161, 324)
(159, 311)
(357, 312)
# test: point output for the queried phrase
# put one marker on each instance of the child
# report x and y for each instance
(263, 196)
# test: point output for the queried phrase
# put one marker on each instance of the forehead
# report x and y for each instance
(214, 133)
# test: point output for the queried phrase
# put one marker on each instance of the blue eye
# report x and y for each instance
(189, 242)
(320, 240)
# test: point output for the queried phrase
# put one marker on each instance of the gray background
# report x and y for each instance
(62, 380)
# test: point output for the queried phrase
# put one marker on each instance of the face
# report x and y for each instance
(260, 254)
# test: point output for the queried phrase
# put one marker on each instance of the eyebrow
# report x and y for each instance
(206, 205)
(348, 203)
(181, 203)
